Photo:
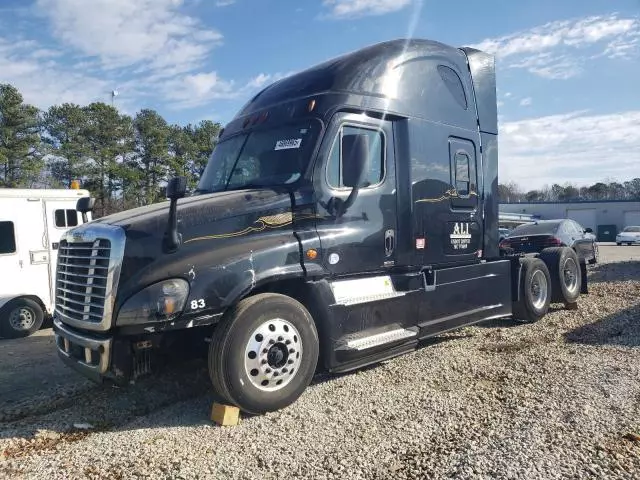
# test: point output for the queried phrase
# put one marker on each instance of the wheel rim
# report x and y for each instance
(273, 355)
(22, 318)
(570, 275)
(539, 289)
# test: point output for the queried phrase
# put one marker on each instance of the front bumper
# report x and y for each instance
(88, 354)
(627, 240)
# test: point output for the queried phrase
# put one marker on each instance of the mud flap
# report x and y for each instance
(584, 289)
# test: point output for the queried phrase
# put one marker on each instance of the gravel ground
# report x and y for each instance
(558, 399)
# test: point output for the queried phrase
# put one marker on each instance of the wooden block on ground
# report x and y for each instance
(225, 414)
(571, 306)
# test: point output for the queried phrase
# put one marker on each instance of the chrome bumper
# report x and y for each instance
(85, 353)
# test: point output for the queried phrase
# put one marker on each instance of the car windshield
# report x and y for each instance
(262, 158)
(631, 229)
(535, 229)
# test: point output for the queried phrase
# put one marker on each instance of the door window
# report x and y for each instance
(376, 156)
(66, 218)
(7, 238)
(463, 175)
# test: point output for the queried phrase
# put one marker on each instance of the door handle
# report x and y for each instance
(389, 241)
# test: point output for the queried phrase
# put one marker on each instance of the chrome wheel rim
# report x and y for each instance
(570, 275)
(539, 289)
(273, 355)
(22, 318)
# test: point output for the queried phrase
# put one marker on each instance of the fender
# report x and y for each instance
(219, 277)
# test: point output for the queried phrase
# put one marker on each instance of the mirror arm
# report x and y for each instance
(171, 236)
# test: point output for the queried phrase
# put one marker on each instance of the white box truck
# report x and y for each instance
(31, 224)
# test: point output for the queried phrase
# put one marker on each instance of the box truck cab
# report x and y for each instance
(347, 212)
(31, 224)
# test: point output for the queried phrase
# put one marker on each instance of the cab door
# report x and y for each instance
(358, 233)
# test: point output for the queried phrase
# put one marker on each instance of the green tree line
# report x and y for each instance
(124, 161)
(605, 190)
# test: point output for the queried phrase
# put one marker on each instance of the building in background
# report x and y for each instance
(605, 217)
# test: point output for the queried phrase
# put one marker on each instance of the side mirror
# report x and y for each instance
(588, 230)
(176, 188)
(355, 164)
(85, 205)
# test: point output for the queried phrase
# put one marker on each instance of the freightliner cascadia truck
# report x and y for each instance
(347, 212)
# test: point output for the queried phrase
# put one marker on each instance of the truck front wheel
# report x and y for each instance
(263, 354)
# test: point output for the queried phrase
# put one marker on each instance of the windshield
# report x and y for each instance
(535, 229)
(631, 229)
(267, 157)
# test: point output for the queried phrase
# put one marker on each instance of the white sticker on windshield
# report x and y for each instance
(291, 143)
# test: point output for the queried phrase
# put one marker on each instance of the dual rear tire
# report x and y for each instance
(554, 276)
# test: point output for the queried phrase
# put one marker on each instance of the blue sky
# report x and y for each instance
(569, 108)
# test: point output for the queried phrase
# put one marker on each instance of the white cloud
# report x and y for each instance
(360, 8)
(525, 102)
(42, 81)
(147, 33)
(576, 147)
(551, 66)
(614, 36)
(149, 49)
(198, 89)
(225, 3)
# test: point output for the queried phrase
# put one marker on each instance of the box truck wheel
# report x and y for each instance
(566, 278)
(535, 290)
(263, 354)
(20, 317)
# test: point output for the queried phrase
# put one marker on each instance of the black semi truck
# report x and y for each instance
(346, 213)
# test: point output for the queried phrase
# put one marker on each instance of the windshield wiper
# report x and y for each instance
(244, 186)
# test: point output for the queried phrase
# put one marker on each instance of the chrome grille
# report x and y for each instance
(87, 275)
(81, 288)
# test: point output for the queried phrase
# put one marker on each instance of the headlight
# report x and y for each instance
(159, 302)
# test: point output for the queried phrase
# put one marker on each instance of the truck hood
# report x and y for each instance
(199, 209)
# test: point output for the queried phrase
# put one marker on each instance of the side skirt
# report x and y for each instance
(376, 318)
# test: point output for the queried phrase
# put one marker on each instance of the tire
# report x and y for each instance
(596, 254)
(263, 335)
(566, 280)
(20, 318)
(619, 244)
(535, 289)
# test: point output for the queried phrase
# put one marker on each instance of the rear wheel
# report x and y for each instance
(566, 278)
(264, 352)
(535, 286)
(20, 317)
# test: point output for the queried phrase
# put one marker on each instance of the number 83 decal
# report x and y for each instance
(199, 303)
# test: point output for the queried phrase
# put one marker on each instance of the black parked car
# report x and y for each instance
(534, 237)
